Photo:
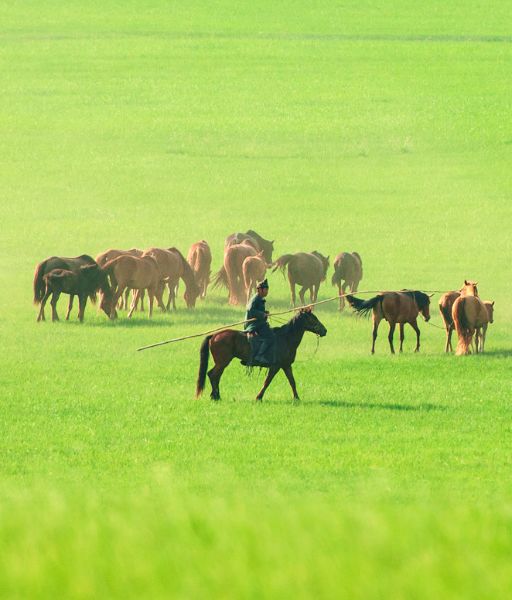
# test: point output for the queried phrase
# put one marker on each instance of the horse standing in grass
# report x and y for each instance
(394, 307)
(57, 262)
(229, 344)
(349, 267)
(103, 258)
(469, 315)
(84, 283)
(234, 257)
(307, 269)
(445, 308)
(200, 260)
(254, 269)
(130, 272)
(185, 273)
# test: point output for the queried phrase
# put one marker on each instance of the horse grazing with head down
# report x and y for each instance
(84, 283)
(103, 258)
(469, 316)
(395, 307)
(229, 344)
(200, 260)
(348, 266)
(307, 269)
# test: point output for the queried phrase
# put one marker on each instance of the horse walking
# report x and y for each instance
(348, 266)
(394, 307)
(200, 259)
(307, 269)
(229, 344)
(83, 283)
(254, 269)
(469, 316)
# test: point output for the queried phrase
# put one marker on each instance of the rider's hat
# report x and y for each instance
(262, 284)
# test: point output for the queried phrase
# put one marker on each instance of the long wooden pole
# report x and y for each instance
(284, 312)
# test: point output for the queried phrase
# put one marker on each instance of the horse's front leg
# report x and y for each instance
(390, 336)
(477, 340)
(342, 289)
(414, 325)
(47, 294)
(55, 297)
(291, 379)
(402, 335)
(271, 374)
(292, 290)
(82, 301)
(135, 299)
(70, 306)
(302, 291)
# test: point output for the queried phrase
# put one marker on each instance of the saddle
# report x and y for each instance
(263, 351)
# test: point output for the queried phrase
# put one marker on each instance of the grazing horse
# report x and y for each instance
(83, 283)
(57, 262)
(229, 344)
(200, 260)
(349, 267)
(469, 315)
(130, 272)
(254, 269)
(305, 269)
(103, 258)
(185, 273)
(396, 307)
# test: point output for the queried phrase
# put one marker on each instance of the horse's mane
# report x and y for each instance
(190, 278)
(421, 298)
(288, 327)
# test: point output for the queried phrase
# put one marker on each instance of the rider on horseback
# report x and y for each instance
(260, 334)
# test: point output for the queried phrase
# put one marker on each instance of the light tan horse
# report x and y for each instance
(103, 258)
(254, 269)
(130, 272)
(200, 260)
(307, 269)
(349, 267)
(445, 308)
(482, 332)
(469, 314)
(234, 257)
(395, 307)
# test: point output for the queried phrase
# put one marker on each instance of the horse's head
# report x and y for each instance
(311, 322)
(490, 310)
(469, 288)
(191, 294)
(423, 302)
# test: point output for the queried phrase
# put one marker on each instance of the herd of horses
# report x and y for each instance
(114, 274)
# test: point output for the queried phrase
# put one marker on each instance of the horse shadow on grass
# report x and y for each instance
(425, 407)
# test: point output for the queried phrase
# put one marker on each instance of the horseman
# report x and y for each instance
(260, 334)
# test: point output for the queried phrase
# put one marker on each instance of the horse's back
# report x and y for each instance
(305, 268)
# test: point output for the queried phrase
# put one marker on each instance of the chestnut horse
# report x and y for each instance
(57, 262)
(185, 273)
(307, 269)
(349, 267)
(445, 308)
(469, 315)
(83, 283)
(482, 332)
(229, 344)
(130, 272)
(200, 259)
(234, 257)
(254, 269)
(396, 307)
(103, 258)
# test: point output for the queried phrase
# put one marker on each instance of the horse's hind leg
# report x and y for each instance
(134, 302)
(390, 336)
(271, 374)
(376, 321)
(291, 379)
(402, 336)
(40, 316)
(70, 306)
(55, 297)
(214, 375)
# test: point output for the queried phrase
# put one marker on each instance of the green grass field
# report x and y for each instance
(381, 127)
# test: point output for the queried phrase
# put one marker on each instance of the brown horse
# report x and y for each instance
(396, 307)
(234, 257)
(229, 344)
(254, 269)
(57, 262)
(469, 315)
(130, 272)
(83, 283)
(255, 239)
(200, 259)
(349, 267)
(305, 269)
(482, 332)
(445, 308)
(103, 258)
(192, 290)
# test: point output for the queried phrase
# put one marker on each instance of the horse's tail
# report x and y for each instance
(204, 353)
(39, 284)
(220, 279)
(461, 326)
(364, 307)
(281, 263)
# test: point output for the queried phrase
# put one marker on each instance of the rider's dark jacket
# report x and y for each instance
(256, 309)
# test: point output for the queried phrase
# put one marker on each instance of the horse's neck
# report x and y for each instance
(295, 333)
(468, 290)
(186, 273)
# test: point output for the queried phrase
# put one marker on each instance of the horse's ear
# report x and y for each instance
(430, 295)
(466, 282)
(492, 303)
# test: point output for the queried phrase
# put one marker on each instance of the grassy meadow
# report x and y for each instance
(381, 127)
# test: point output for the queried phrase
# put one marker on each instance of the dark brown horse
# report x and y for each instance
(200, 260)
(307, 269)
(229, 344)
(83, 283)
(396, 307)
(348, 266)
(57, 262)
